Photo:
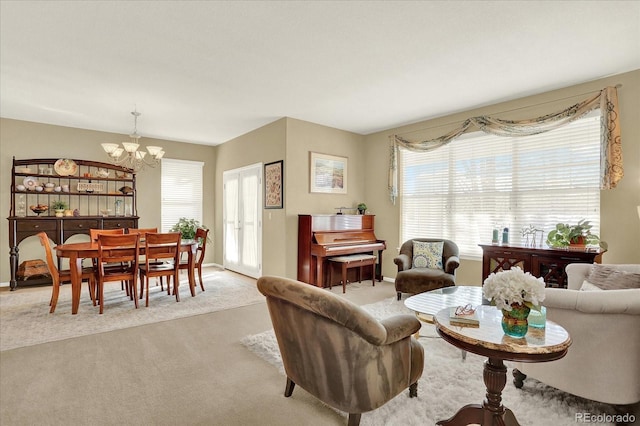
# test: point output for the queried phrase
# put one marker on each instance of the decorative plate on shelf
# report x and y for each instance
(65, 167)
(30, 183)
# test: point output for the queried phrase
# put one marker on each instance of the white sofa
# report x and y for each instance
(603, 361)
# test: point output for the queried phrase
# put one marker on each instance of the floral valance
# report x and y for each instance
(611, 170)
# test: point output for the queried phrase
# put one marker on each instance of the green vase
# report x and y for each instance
(514, 322)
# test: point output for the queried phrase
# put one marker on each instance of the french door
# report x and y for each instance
(242, 220)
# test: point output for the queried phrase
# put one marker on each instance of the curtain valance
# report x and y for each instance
(611, 169)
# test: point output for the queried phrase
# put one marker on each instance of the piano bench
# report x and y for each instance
(353, 261)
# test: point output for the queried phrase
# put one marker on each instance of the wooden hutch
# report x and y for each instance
(102, 195)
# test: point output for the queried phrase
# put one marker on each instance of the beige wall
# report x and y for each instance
(620, 225)
(302, 139)
(24, 140)
(263, 145)
(292, 140)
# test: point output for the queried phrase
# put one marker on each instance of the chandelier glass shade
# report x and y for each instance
(128, 155)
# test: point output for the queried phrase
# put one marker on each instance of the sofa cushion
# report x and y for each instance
(609, 278)
(587, 286)
(427, 254)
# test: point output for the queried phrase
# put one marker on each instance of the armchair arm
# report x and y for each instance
(625, 301)
(403, 262)
(399, 327)
(451, 264)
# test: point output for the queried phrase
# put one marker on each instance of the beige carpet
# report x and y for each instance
(187, 371)
(25, 318)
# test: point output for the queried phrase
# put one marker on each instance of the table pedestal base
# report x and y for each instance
(491, 412)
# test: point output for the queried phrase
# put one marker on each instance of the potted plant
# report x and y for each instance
(565, 235)
(59, 207)
(187, 228)
(362, 207)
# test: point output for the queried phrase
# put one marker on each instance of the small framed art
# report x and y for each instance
(273, 183)
(328, 173)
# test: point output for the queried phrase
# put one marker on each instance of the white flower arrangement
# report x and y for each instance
(514, 286)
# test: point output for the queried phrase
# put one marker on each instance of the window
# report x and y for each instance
(181, 191)
(463, 190)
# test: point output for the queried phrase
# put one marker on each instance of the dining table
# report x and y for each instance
(77, 252)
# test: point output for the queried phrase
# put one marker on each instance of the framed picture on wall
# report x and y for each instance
(273, 183)
(328, 174)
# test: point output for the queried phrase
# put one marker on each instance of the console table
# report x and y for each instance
(548, 263)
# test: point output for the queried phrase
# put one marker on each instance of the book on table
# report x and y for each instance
(464, 316)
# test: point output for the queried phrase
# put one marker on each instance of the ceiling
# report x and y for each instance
(208, 71)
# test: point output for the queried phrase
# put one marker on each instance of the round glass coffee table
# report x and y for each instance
(429, 303)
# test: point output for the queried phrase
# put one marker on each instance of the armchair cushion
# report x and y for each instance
(427, 254)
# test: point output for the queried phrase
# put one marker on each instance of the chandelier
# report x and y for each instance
(128, 154)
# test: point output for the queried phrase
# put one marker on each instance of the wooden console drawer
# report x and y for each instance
(80, 224)
(36, 225)
(117, 223)
(25, 228)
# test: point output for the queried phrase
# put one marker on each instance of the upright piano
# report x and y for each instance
(324, 236)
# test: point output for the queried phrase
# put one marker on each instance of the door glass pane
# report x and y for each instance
(250, 218)
(230, 220)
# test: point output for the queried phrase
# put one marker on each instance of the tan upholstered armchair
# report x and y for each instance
(415, 280)
(603, 362)
(337, 351)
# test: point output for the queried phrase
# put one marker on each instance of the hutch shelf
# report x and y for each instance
(97, 195)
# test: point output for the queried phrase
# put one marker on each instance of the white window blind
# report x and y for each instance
(181, 191)
(463, 190)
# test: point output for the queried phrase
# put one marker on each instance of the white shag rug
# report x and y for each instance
(25, 319)
(448, 383)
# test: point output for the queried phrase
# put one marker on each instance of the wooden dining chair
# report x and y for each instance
(158, 248)
(143, 232)
(201, 235)
(93, 234)
(123, 249)
(60, 276)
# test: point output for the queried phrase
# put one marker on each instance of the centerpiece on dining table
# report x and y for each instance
(515, 292)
